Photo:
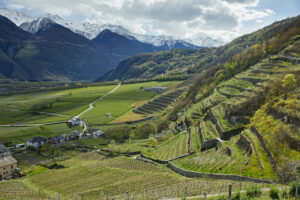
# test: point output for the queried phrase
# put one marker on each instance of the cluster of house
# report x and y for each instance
(38, 141)
(75, 122)
(8, 165)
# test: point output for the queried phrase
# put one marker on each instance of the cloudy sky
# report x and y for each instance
(219, 19)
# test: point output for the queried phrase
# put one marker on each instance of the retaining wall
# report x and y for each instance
(262, 142)
(230, 95)
(245, 144)
(209, 144)
(192, 174)
(225, 135)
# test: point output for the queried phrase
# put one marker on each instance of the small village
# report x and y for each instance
(8, 164)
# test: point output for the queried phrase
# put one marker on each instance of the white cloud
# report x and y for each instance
(189, 18)
(15, 6)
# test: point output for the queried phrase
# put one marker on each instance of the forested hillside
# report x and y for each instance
(245, 51)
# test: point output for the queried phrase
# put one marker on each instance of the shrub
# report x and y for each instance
(285, 194)
(293, 189)
(152, 141)
(253, 192)
(289, 81)
(245, 197)
(274, 193)
(223, 197)
(236, 196)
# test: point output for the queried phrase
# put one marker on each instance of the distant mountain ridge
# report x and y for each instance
(50, 51)
(91, 31)
(180, 63)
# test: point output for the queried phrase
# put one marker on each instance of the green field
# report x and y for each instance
(68, 102)
(16, 135)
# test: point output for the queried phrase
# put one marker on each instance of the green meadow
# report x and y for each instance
(18, 109)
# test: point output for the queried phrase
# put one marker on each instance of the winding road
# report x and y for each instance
(91, 106)
(85, 126)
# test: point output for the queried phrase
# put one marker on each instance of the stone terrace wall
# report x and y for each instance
(192, 174)
(245, 144)
(262, 142)
(128, 122)
(225, 135)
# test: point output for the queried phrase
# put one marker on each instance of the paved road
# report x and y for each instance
(52, 114)
(92, 104)
(85, 126)
(216, 195)
(37, 112)
(32, 125)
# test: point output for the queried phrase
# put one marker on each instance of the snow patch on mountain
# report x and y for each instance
(16, 17)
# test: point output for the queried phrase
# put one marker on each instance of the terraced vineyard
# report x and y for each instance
(229, 108)
(160, 103)
(17, 189)
(216, 161)
(90, 176)
(172, 148)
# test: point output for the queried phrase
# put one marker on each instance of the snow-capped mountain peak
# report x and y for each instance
(92, 30)
(16, 17)
(36, 25)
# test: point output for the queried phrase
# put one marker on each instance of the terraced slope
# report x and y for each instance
(228, 110)
(160, 103)
(216, 161)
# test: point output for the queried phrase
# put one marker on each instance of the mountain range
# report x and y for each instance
(45, 48)
(92, 30)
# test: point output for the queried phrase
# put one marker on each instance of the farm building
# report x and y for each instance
(57, 139)
(156, 89)
(86, 136)
(36, 142)
(75, 122)
(96, 133)
(8, 166)
(74, 135)
(20, 146)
